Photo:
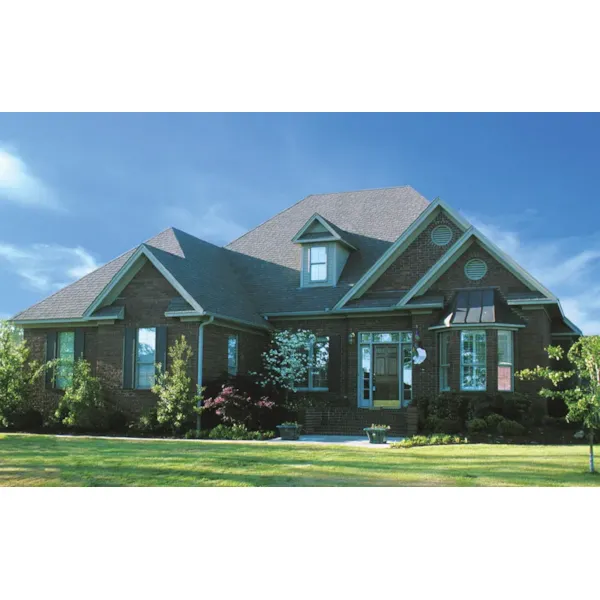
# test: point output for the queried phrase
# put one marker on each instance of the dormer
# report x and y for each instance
(324, 252)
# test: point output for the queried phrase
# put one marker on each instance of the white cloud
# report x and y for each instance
(46, 267)
(209, 225)
(565, 265)
(20, 186)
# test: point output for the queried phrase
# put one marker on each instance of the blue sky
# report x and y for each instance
(76, 190)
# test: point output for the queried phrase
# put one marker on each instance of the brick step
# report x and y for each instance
(352, 421)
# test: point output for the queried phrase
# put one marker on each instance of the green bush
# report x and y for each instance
(475, 426)
(176, 408)
(450, 426)
(118, 422)
(493, 421)
(431, 440)
(83, 406)
(29, 420)
(508, 427)
(147, 423)
(238, 432)
(194, 434)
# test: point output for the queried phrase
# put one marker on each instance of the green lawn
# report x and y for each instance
(38, 460)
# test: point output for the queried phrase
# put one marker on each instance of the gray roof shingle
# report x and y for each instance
(259, 272)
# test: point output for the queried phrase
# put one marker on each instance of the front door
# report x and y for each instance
(386, 388)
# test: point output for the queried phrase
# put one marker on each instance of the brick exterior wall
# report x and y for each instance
(145, 299)
(417, 259)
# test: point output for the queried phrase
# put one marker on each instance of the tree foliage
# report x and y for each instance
(287, 361)
(82, 406)
(583, 398)
(17, 373)
(177, 402)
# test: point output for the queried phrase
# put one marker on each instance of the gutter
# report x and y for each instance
(201, 360)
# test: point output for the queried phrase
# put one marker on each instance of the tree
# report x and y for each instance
(582, 400)
(82, 406)
(287, 362)
(177, 403)
(17, 373)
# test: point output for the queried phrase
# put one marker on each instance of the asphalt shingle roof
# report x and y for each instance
(260, 272)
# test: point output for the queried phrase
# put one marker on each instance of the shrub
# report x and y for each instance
(237, 408)
(493, 421)
(508, 427)
(82, 405)
(475, 426)
(238, 432)
(432, 440)
(431, 424)
(147, 423)
(17, 373)
(194, 434)
(29, 420)
(449, 426)
(177, 403)
(118, 422)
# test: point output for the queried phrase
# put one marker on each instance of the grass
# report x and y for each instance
(40, 460)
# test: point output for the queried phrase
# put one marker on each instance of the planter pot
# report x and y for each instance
(376, 435)
(289, 432)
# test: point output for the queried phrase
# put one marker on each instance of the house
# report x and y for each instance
(406, 298)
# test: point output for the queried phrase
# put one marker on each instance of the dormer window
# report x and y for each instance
(318, 263)
(325, 250)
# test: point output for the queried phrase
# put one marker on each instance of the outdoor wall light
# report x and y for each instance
(351, 338)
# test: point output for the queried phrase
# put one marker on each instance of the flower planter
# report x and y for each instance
(289, 432)
(376, 435)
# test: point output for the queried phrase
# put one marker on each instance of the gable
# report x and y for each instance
(419, 256)
(497, 275)
(147, 296)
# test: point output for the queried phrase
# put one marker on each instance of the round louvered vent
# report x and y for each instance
(475, 269)
(441, 235)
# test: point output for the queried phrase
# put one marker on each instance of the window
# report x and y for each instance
(444, 361)
(318, 358)
(66, 356)
(472, 361)
(505, 361)
(232, 355)
(145, 357)
(318, 263)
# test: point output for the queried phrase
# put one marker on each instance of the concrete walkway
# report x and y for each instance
(339, 440)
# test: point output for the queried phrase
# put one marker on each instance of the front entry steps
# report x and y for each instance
(352, 421)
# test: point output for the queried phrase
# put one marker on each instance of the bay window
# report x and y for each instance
(505, 360)
(444, 361)
(473, 373)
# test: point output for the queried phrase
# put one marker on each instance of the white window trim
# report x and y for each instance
(311, 263)
(311, 350)
(446, 365)
(136, 361)
(511, 364)
(474, 364)
(235, 370)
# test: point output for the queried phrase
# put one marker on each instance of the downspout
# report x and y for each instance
(201, 361)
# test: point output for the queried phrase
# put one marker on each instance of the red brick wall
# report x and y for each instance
(497, 275)
(417, 259)
(145, 299)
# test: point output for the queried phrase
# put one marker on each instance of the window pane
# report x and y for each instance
(145, 376)
(366, 371)
(318, 254)
(365, 337)
(232, 354)
(474, 378)
(66, 352)
(318, 272)
(320, 360)
(473, 360)
(505, 379)
(146, 345)
(505, 347)
(407, 364)
(406, 336)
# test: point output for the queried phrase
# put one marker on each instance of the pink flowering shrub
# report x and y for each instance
(238, 408)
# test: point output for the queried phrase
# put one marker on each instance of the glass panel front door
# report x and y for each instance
(386, 387)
